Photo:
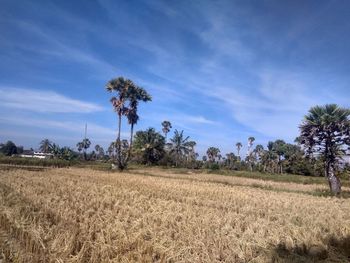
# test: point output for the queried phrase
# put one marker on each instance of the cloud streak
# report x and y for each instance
(44, 101)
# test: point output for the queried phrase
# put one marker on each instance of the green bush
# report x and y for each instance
(36, 162)
(214, 166)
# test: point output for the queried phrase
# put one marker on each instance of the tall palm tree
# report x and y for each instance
(45, 146)
(213, 153)
(326, 130)
(180, 145)
(239, 146)
(134, 94)
(249, 152)
(166, 128)
(119, 86)
(126, 91)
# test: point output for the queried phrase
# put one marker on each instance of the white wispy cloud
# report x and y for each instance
(195, 119)
(72, 126)
(43, 101)
(61, 47)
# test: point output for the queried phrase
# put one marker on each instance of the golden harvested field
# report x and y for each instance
(82, 215)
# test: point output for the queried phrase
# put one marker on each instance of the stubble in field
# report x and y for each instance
(81, 215)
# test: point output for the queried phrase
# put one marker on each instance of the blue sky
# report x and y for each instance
(220, 70)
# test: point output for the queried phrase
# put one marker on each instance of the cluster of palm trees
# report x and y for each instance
(151, 147)
(66, 153)
(125, 104)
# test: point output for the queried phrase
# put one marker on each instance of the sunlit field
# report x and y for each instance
(154, 215)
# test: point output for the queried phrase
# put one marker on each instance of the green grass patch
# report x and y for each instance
(20, 161)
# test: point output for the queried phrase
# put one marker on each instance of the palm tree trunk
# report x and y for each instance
(130, 144)
(333, 180)
(119, 129)
(119, 155)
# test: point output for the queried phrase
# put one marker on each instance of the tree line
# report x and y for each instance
(323, 141)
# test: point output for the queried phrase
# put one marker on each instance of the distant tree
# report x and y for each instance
(97, 147)
(192, 155)
(179, 146)
(258, 151)
(84, 145)
(250, 156)
(111, 150)
(238, 146)
(231, 159)
(20, 149)
(326, 131)
(80, 146)
(56, 150)
(9, 148)
(166, 128)
(250, 144)
(67, 154)
(99, 151)
(279, 147)
(149, 144)
(212, 153)
(45, 146)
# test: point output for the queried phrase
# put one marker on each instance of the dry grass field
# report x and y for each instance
(83, 215)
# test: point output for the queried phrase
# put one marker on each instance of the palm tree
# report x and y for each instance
(192, 155)
(212, 153)
(230, 160)
(279, 147)
(239, 146)
(97, 148)
(134, 94)
(166, 128)
(249, 152)
(119, 86)
(111, 150)
(180, 145)
(326, 131)
(99, 151)
(80, 146)
(150, 145)
(84, 145)
(45, 146)
(250, 144)
(126, 91)
(56, 150)
(259, 150)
